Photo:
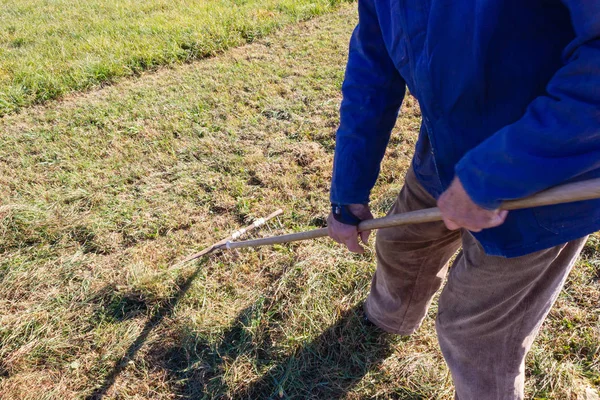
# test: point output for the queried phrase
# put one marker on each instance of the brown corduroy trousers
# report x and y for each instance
(490, 309)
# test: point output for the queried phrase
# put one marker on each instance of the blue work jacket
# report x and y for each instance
(509, 92)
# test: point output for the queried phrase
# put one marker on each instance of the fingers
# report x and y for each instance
(450, 224)
(476, 221)
(503, 214)
(346, 235)
(330, 231)
(498, 218)
(364, 236)
(459, 210)
(334, 231)
(352, 244)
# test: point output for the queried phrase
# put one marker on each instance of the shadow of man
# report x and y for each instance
(164, 311)
(327, 367)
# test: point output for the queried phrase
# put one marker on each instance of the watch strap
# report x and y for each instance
(342, 213)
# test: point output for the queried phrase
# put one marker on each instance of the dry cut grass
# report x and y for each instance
(103, 192)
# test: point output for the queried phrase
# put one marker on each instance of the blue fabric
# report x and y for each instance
(510, 96)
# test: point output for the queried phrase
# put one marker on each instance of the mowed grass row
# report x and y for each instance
(102, 193)
(48, 48)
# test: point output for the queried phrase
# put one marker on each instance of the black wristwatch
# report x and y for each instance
(342, 213)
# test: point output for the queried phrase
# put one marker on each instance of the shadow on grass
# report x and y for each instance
(116, 306)
(163, 311)
(327, 367)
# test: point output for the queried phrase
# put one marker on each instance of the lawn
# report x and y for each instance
(103, 192)
(49, 48)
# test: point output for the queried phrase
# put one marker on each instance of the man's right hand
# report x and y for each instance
(348, 234)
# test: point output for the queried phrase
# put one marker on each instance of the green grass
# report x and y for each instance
(103, 192)
(49, 48)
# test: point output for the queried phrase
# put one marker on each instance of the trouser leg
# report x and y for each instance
(491, 310)
(411, 264)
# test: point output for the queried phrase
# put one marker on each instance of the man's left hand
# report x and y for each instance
(459, 211)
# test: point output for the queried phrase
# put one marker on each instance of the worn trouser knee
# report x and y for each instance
(411, 264)
(490, 312)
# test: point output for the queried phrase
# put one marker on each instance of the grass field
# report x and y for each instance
(103, 192)
(48, 48)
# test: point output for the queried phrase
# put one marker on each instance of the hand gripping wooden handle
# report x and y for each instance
(568, 193)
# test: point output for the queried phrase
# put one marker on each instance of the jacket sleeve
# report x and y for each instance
(558, 138)
(372, 94)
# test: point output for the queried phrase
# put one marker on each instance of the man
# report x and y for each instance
(509, 92)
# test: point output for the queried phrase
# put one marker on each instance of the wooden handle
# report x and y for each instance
(568, 193)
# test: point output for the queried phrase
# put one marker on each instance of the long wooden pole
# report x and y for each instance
(568, 193)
